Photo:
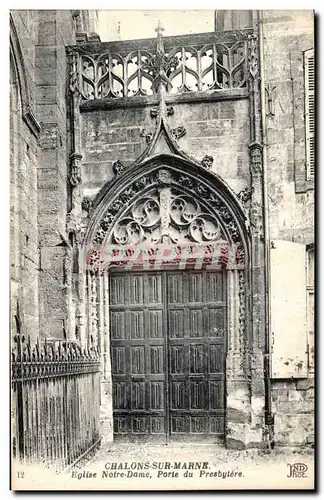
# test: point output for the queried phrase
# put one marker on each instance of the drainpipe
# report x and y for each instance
(269, 419)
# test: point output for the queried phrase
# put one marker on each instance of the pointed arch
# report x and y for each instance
(167, 199)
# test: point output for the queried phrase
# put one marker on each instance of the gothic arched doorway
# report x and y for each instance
(166, 252)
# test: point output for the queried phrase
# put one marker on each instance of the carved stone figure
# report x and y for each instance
(75, 169)
(118, 168)
(87, 204)
(245, 195)
(207, 162)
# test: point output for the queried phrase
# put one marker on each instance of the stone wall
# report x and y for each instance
(41, 186)
(24, 257)
(219, 129)
(287, 34)
(293, 405)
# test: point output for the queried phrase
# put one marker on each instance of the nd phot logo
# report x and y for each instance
(297, 470)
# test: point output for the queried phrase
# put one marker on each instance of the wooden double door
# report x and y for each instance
(168, 342)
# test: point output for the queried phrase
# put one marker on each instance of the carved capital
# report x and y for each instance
(75, 169)
(256, 161)
(207, 162)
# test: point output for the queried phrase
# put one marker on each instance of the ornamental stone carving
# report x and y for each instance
(242, 319)
(255, 158)
(147, 135)
(166, 214)
(164, 176)
(176, 207)
(87, 204)
(207, 162)
(245, 195)
(75, 169)
(178, 132)
(75, 225)
(253, 56)
(118, 168)
(256, 219)
(110, 214)
(74, 71)
(154, 112)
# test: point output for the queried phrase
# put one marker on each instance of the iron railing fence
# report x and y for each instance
(55, 402)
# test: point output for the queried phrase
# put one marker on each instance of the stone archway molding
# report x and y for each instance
(171, 202)
(166, 201)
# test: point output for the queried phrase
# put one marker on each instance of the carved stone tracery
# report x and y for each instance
(170, 206)
(214, 62)
(166, 213)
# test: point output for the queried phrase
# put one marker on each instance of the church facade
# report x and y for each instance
(162, 216)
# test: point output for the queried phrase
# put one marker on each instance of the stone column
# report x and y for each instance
(81, 287)
(238, 407)
(93, 333)
(106, 406)
(258, 291)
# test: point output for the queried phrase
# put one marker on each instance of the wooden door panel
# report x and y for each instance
(117, 322)
(155, 324)
(177, 361)
(136, 324)
(157, 426)
(197, 359)
(196, 346)
(195, 287)
(198, 395)
(157, 401)
(168, 333)
(138, 351)
(195, 322)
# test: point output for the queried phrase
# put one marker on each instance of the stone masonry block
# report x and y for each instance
(45, 61)
(49, 137)
(47, 33)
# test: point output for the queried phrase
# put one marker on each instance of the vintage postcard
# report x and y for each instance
(162, 169)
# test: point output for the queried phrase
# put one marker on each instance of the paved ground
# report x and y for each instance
(226, 469)
(189, 452)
